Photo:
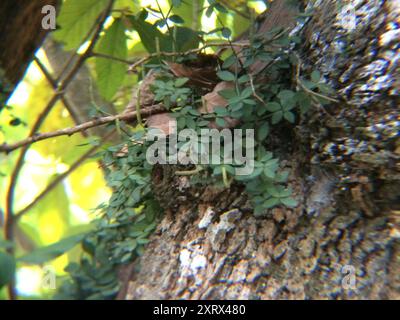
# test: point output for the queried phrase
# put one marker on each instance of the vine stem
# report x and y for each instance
(241, 44)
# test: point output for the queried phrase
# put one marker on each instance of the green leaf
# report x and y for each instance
(209, 11)
(289, 202)
(289, 116)
(286, 94)
(273, 106)
(185, 39)
(176, 3)
(226, 75)
(220, 8)
(76, 19)
(229, 61)
(287, 98)
(227, 93)
(315, 76)
(308, 84)
(4, 244)
(15, 122)
(284, 193)
(263, 132)
(247, 92)
(220, 122)
(226, 32)
(52, 251)
(110, 73)
(244, 78)
(7, 268)
(277, 117)
(282, 177)
(181, 82)
(269, 172)
(221, 111)
(149, 34)
(270, 203)
(176, 19)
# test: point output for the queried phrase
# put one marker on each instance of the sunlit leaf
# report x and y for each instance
(76, 19)
(110, 73)
(53, 251)
(7, 268)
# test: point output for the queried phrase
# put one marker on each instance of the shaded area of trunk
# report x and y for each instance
(344, 164)
(21, 34)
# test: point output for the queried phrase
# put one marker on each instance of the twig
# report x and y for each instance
(53, 83)
(106, 56)
(300, 83)
(237, 11)
(243, 44)
(7, 148)
(75, 55)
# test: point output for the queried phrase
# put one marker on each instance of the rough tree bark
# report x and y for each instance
(21, 34)
(345, 170)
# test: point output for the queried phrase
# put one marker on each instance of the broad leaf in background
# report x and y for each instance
(149, 34)
(52, 251)
(7, 268)
(75, 19)
(4, 244)
(185, 38)
(110, 73)
(189, 12)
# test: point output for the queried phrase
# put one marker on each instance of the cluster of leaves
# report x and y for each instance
(123, 228)
(171, 92)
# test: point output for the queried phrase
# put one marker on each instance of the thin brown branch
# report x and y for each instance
(7, 148)
(54, 85)
(86, 38)
(106, 56)
(241, 44)
(237, 11)
(310, 92)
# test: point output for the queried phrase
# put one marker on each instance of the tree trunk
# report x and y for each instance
(21, 34)
(344, 164)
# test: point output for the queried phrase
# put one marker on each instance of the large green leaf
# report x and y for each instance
(149, 34)
(185, 38)
(110, 73)
(4, 244)
(187, 10)
(7, 268)
(52, 251)
(76, 19)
